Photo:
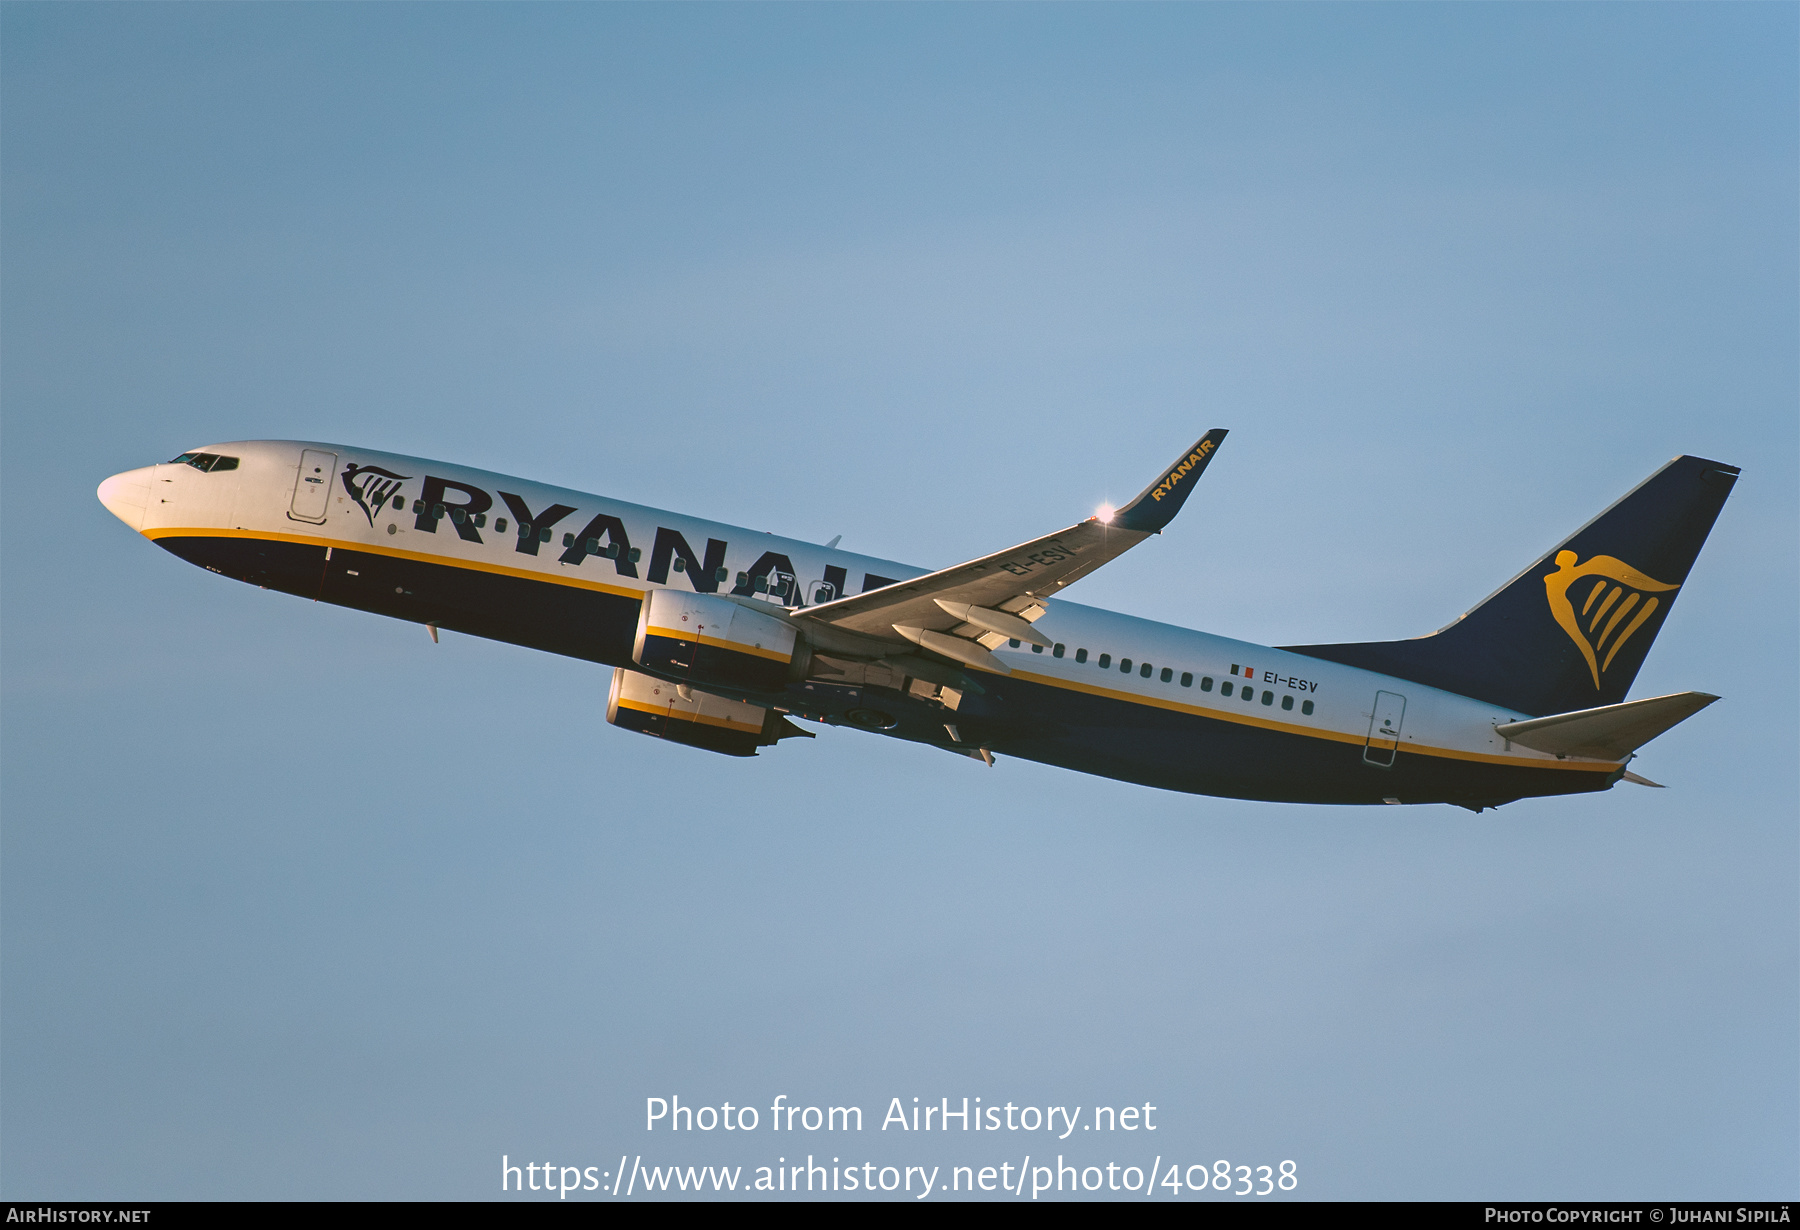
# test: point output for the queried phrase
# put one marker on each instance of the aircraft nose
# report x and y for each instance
(126, 495)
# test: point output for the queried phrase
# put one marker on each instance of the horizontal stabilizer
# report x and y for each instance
(1611, 732)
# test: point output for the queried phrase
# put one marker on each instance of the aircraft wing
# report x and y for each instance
(963, 611)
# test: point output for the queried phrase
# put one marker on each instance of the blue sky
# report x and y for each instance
(297, 904)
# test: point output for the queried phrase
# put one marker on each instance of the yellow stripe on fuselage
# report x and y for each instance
(1314, 732)
(396, 553)
(1241, 719)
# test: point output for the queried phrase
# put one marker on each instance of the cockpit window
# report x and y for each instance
(206, 462)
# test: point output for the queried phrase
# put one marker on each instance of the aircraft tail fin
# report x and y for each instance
(1569, 632)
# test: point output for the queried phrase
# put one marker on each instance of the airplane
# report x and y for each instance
(720, 637)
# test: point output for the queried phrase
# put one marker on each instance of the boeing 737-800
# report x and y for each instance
(718, 636)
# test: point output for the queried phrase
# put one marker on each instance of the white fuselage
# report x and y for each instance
(269, 499)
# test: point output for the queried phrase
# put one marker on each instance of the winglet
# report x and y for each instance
(1157, 504)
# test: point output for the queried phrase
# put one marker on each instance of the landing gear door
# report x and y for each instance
(1384, 730)
(312, 486)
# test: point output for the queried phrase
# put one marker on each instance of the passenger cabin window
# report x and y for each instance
(1058, 651)
(1037, 649)
(1306, 707)
(1206, 683)
(1105, 661)
(1287, 702)
(1145, 670)
(1187, 679)
(1124, 666)
(1268, 698)
(400, 506)
(1224, 688)
(1013, 644)
(1168, 675)
(1081, 655)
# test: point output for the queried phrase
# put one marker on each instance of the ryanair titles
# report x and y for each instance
(603, 535)
(1201, 452)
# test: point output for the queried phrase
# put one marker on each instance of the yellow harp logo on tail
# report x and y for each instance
(1615, 606)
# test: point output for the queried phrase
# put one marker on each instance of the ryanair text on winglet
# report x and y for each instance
(1179, 472)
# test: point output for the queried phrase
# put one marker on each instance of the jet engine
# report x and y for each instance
(656, 707)
(707, 640)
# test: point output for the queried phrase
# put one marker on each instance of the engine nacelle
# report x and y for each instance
(654, 707)
(703, 639)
